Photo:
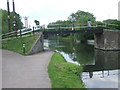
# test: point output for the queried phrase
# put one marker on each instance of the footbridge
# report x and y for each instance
(104, 38)
(87, 30)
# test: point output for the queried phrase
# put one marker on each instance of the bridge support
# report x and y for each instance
(108, 40)
(38, 45)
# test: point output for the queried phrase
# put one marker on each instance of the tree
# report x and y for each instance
(79, 17)
(112, 24)
(19, 23)
(37, 22)
(82, 17)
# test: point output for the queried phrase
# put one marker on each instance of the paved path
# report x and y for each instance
(25, 71)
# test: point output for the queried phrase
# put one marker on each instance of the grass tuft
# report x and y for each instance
(63, 74)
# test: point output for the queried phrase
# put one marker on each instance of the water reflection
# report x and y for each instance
(82, 53)
(104, 60)
(101, 79)
(101, 68)
(106, 66)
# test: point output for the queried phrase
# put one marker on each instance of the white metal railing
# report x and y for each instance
(19, 32)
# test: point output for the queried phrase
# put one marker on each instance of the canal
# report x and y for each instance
(100, 68)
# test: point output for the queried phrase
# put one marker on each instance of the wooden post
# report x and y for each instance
(73, 27)
(14, 22)
(44, 27)
(8, 16)
(23, 48)
(59, 27)
(33, 30)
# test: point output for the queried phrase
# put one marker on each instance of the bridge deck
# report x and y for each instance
(73, 31)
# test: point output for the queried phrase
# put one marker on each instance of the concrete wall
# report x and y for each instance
(108, 40)
(38, 45)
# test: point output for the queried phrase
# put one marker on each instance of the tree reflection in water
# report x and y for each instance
(96, 63)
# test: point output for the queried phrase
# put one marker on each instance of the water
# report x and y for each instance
(101, 68)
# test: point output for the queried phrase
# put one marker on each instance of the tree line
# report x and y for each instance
(80, 18)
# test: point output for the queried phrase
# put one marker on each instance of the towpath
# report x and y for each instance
(25, 71)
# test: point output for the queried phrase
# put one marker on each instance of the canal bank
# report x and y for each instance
(64, 74)
(100, 64)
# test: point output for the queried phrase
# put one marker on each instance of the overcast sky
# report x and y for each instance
(47, 11)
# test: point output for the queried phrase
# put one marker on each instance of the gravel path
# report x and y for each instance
(25, 71)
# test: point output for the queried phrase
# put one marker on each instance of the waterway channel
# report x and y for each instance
(101, 68)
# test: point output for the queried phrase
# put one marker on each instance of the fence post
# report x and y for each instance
(44, 27)
(33, 30)
(23, 48)
(16, 31)
(14, 27)
(73, 27)
(59, 27)
(20, 33)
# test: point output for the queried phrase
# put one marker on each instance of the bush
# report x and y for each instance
(72, 68)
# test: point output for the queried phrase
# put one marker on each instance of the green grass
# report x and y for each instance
(63, 74)
(16, 44)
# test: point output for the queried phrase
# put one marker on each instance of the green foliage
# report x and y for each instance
(99, 23)
(113, 24)
(37, 22)
(111, 21)
(79, 18)
(82, 17)
(16, 44)
(4, 21)
(71, 68)
(63, 74)
(19, 24)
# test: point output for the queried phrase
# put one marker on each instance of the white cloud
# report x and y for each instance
(50, 10)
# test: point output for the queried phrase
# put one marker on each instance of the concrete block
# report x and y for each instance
(108, 40)
(38, 45)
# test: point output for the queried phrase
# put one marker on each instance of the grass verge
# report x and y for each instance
(16, 44)
(63, 74)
